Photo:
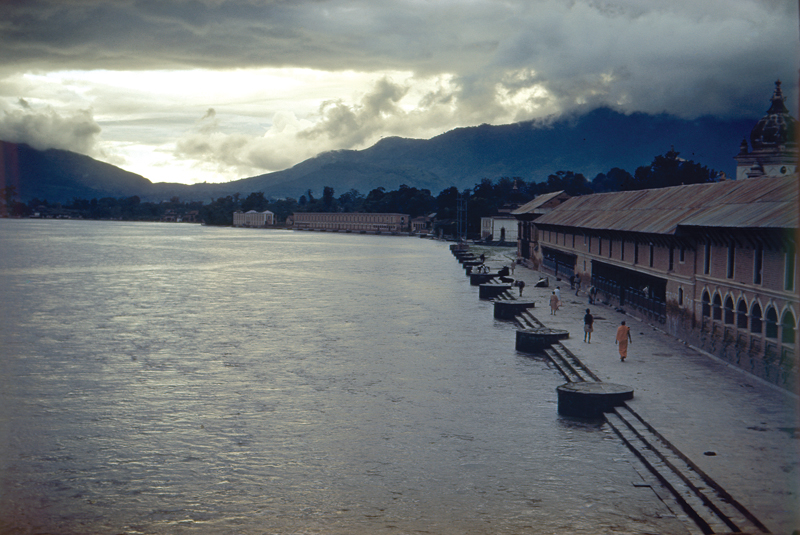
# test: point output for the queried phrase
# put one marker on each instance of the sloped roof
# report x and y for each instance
(751, 203)
(538, 202)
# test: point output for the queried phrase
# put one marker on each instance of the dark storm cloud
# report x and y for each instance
(648, 55)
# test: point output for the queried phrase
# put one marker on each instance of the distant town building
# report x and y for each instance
(423, 224)
(716, 263)
(350, 222)
(173, 216)
(253, 219)
(499, 228)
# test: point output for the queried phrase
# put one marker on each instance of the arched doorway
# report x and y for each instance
(755, 319)
(729, 311)
(771, 318)
(741, 315)
(717, 308)
(788, 328)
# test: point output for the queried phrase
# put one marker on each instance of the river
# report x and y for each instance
(174, 378)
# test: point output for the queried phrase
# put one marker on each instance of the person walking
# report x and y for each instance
(588, 326)
(520, 285)
(558, 292)
(577, 283)
(554, 303)
(623, 338)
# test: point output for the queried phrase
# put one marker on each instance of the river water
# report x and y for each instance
(172, 378)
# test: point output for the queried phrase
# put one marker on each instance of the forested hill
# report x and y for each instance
(61, 175)
(590, 144)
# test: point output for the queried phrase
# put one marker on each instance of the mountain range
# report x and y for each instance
(589, 144)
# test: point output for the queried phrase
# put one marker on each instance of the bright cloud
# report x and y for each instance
(46, 128)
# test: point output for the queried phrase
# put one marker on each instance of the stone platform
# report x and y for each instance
(491, 291)
(539, 339)
(591, 399)
(508, 310)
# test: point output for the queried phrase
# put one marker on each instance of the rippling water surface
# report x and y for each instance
(168, 378)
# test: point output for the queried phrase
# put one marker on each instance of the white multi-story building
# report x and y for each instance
(253, 219)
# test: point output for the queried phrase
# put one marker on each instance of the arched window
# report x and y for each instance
(717, 307)
(772, 323)
(706, 305)
(729, 310)
(788, 328)
(741, 315)
(755, 319)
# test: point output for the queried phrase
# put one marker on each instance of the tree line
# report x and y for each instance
(484, 199)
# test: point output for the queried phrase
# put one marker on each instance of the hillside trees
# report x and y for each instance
(220, 211)
(9, 206)
(352, 201)
(615, 180)
(670, 170)
(255, 201)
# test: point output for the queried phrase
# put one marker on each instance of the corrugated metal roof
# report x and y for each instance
(751, 203)
(536, 203)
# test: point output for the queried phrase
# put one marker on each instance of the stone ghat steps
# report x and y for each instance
(570, 373)
(526, 320)
(702, 505)
(706, 506)
(692, 496)
(569, 365)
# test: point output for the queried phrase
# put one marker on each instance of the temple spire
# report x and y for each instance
(778, 105)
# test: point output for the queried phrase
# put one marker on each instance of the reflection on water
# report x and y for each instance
(174, 378)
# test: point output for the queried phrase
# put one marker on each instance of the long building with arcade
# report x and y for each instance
(715, 264)
(373, 223)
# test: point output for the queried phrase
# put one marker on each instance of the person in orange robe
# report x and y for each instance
(623, 337)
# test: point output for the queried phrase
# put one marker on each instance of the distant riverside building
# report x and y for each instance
(715, 263)
(174, 217)
(499, 228)
(350, 222)
(253, 219)
(423, 224)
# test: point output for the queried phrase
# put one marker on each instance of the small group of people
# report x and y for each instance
(622, 339)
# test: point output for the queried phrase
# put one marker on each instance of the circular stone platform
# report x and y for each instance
(591, 400)
(539, 339)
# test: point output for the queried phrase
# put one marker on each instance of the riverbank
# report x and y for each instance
(740, 430)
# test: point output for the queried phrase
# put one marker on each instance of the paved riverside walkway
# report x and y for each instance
(699, 403)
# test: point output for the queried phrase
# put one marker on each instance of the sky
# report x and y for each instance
(217, 90)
